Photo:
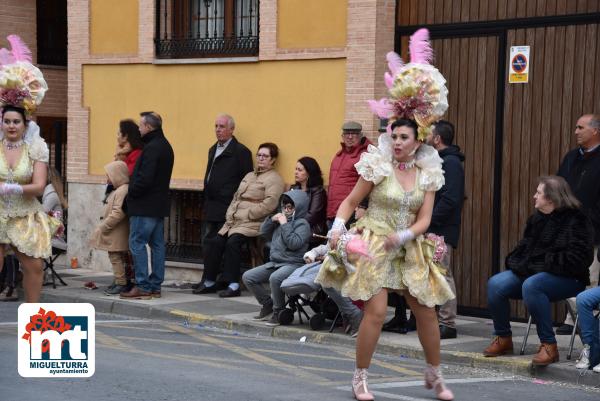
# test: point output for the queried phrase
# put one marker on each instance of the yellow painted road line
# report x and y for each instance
(386, 365)
(158, 340)
(112, 343)
(246, 353)
(121, 326)
(329, 358)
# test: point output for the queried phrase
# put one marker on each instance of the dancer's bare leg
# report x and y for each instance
(370, 328)
(427, 328)
(33, 276)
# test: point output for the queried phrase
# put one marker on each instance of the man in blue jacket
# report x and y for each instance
(447, 209)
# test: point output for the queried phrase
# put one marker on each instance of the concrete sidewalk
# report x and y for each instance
(178, 303)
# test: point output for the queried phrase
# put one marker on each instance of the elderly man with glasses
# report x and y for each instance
(342, 174)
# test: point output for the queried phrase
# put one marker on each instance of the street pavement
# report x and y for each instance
(154, 360)
(179, 306)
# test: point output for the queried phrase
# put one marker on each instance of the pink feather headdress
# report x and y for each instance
(21, 83)
(417, 90)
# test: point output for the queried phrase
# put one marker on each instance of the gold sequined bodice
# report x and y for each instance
(391, 208)
(17, 205)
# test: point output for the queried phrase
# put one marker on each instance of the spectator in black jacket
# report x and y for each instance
(549, 264)
(228, 163)
(147, 206)
(447, 208)
(581, 168)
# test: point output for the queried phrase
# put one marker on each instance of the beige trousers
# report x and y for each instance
(447, 312)
(118, 260)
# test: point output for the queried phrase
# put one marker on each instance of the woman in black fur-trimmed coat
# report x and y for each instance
(549, 264)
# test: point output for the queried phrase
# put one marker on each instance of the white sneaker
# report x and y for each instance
(597, 368)
(584, 359)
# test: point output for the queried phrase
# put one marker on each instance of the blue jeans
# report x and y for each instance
(147, 230)
(537, 291)
(587, 301)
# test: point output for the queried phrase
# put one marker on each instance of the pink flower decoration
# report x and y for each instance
(358, 247)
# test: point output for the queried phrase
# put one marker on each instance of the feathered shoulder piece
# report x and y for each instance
(376, 163)
(38, 149)
(429, 161)
(417, 90)
(21, 83)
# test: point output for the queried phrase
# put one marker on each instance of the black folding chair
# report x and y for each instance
(49, 262)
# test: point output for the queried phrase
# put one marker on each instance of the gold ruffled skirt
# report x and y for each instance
(30, 234)
(410, 268)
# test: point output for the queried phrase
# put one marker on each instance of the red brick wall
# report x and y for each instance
(18, 17)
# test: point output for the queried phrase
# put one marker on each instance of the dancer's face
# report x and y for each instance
(13, 126)
(405, 143)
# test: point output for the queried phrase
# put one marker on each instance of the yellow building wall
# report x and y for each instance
(114, 26)
(299, 105)
(311, 23)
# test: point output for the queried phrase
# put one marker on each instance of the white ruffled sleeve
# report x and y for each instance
(38, 150)
(430, 163)
(374, 165)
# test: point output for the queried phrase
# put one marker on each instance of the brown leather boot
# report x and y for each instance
(499, 346)
(547, 354)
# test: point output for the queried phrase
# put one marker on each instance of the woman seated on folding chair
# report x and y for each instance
(549, 264)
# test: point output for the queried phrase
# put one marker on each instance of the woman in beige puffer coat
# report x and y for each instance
(112, 234)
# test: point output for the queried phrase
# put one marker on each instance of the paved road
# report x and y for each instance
(152, 361)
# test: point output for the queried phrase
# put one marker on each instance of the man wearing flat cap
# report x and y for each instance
(342, 174)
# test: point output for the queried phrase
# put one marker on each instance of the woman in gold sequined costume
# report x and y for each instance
(400, 178)
(23, 224)
(24, 227)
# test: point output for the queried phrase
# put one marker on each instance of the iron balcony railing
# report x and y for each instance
(206, 28)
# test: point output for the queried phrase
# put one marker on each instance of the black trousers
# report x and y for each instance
(226, 250)
(210, 229)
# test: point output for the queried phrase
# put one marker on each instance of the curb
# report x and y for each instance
(470, 359)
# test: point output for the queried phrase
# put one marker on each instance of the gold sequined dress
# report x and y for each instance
(23, 222)
(391, 208)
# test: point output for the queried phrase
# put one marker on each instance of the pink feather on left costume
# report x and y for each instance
(420, 48)
(382, 107)
(394, 62)
(19, 49)
(359, 247)
(389, 80)
(6, 57)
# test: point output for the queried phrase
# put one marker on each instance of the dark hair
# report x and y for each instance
(19, 110)
(445, 130)
(406, 123)
(273, 149)
(286, 200)
(315, 176)
(152, 119)
(130, 130)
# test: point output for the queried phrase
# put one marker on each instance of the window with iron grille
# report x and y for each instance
(206, 28)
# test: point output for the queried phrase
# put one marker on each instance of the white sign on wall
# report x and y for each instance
(518, 65)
